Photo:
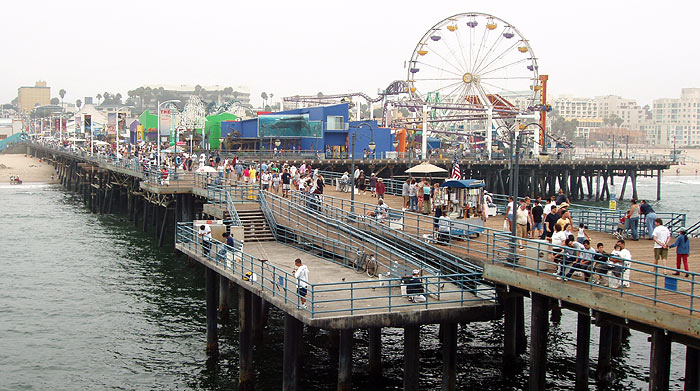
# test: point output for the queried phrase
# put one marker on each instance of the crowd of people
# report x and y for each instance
(573, 251)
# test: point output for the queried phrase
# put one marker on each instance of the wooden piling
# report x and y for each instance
(211, 286)
(449, 356)
(660, 362)
(375, 352)
(223, 298)
(605, 352)
(292, 337)
(411, 349)
(583, 342)
(246, 373)
(538, 342)
(692, 369)
(345, 360)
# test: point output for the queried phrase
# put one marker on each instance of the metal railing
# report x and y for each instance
(651, 283)
(331, 298)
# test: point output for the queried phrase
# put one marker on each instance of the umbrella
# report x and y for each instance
(425, 168)
(174, 149)
(206, 169)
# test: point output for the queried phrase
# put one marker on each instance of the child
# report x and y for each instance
(582, 235)
(621, 228)
(682, 245)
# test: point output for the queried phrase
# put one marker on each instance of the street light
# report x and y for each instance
(158, 135)
(354, 138)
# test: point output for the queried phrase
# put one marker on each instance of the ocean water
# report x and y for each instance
(87, 302)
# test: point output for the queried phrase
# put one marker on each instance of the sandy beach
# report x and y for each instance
(28, 168)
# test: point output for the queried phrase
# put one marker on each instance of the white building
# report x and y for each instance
(677, 121)
(631, 113)
(570, 107)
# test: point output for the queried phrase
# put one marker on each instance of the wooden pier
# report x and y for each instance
(154, 205)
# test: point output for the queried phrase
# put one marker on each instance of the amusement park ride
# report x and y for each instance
(470, 79)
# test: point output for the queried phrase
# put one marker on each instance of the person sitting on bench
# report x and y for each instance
(414, 287)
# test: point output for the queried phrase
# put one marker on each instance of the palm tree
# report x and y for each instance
(99, 98)
(62, 94)
(264, 98)
(78, 103)
(118, 98)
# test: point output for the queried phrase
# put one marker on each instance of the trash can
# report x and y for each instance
(671, 284)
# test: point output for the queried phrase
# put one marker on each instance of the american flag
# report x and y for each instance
(456, 173)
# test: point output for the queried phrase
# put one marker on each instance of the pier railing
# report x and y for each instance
(651, 283)
(329, 298)
(642, 281)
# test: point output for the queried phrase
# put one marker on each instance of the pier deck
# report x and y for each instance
(341, 298)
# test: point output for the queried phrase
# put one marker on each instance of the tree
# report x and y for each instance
(78, 103)
(319, 94)
(55, 101)
(264, 98)
(62, 94)
(118, 98)
(99, 98)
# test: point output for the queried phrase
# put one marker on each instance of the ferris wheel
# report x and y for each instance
(473, 65)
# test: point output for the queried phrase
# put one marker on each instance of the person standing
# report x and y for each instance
(252, 173)
(373, 184)
(239, 171)
(521, 219)
(412, 195)
(537, 212)
(444, 228)
(205, 237)
(634, 214)
(381, 188)
(301, 273)
(265, 180)
(405, 189)
(661, 236)
(626, 257)
(286, 180)
(649, 217)
(682, 245)
(549, 222)
(361, 185)
(427, 208)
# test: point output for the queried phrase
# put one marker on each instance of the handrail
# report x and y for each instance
(327, 299)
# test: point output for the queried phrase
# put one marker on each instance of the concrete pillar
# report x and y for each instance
(692, 369)
(246, 374)
(660, 365)
(345, 360)
(583, 342)
(292, 336)
(223, 298)
(256, 316)
(538, 342)
(449, 356)
(411, 349)
(605, 352)
(212, 284)
(375, 353)
(616, 345)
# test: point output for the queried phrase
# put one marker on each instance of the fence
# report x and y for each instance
(330, 298)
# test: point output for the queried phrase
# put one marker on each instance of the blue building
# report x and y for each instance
(323, 129)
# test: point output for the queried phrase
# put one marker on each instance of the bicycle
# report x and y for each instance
(363, 263)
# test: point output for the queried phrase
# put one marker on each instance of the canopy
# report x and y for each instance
(425, 168)
(206, 169)
(174, 148)
(464, 183)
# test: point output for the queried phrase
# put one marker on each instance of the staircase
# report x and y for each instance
(255, 227)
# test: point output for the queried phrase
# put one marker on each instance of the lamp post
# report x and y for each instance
(612, 154)
(352, 164)
(627, 147)
(395, 143)
(158, 135)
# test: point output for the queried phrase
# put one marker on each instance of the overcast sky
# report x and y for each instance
(642, 50)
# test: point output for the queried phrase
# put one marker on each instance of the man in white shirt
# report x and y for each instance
(266, 178)
(521, 220)
(444, 228)
(626, 255)
(205, 237)
(661, 236)
(301, 273)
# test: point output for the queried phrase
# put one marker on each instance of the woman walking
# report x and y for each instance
(682, 245)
